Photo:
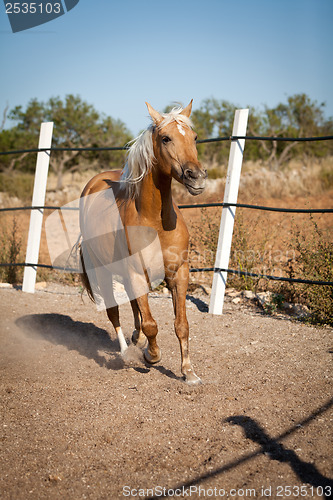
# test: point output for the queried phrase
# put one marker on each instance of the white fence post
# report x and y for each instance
(228, 213)
(38, 199)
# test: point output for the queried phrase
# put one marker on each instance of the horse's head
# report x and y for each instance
(175, 150)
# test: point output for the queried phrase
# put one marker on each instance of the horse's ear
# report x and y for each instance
(156, 117)
(187, 111)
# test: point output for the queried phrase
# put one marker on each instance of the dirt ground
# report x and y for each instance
(77, 422)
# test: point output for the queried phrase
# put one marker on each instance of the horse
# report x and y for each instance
(141, 195)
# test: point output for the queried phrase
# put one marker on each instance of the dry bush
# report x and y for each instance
(313, 261)
(18, 185)
(257, 180)
(11, 253)
(295, 179)
(307, 254)
(250, 251)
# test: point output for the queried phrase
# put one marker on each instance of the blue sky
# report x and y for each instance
(117, 54)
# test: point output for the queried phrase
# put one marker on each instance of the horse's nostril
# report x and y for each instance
(195, 173)
(190, 174)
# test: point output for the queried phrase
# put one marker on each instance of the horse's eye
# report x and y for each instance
(166, 139)
(196, 137)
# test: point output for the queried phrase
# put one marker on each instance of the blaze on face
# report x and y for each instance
(175, 149)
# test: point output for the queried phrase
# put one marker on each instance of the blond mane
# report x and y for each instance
(140, 156)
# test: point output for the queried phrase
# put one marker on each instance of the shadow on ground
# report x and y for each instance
(85, 338)
(271, 447)
(88, 340)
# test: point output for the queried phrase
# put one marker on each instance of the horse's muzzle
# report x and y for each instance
(194, 178)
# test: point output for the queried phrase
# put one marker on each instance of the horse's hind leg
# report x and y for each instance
(138, 337)
(152, 352)
(113, 315)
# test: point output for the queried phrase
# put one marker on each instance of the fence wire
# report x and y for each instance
(192, 270)
(201, 141)
(197, 205)
(200, 205)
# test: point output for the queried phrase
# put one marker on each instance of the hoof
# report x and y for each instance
(192, 379)
(139, 339)
(123, 351)
(152, 359)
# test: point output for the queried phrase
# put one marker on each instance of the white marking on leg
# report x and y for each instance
(122, 341)
(180, 128)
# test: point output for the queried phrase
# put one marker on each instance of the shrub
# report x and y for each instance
(326, 177)
(204, 238)
(216, 172)
(313, 261)
(18, 185)
(10, 254)
(248, 252)
(310, 249)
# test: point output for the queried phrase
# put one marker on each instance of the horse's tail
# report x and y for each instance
(84, 275)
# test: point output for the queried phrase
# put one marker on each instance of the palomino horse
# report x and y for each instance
(142, 196)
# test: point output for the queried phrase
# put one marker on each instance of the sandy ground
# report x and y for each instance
(76, 422)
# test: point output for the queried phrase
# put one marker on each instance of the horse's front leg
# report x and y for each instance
(178, 284)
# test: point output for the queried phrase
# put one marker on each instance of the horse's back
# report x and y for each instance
(103, 238)
(102, 181)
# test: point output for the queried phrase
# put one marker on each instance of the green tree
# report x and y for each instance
(76, 124)
(10, 139)
(299, 117)
(214, 118)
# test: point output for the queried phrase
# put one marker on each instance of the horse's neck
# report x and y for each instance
(155, 200)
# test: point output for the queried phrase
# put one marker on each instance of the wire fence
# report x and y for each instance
(199, 205)
(201, 141)
(192, 270)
